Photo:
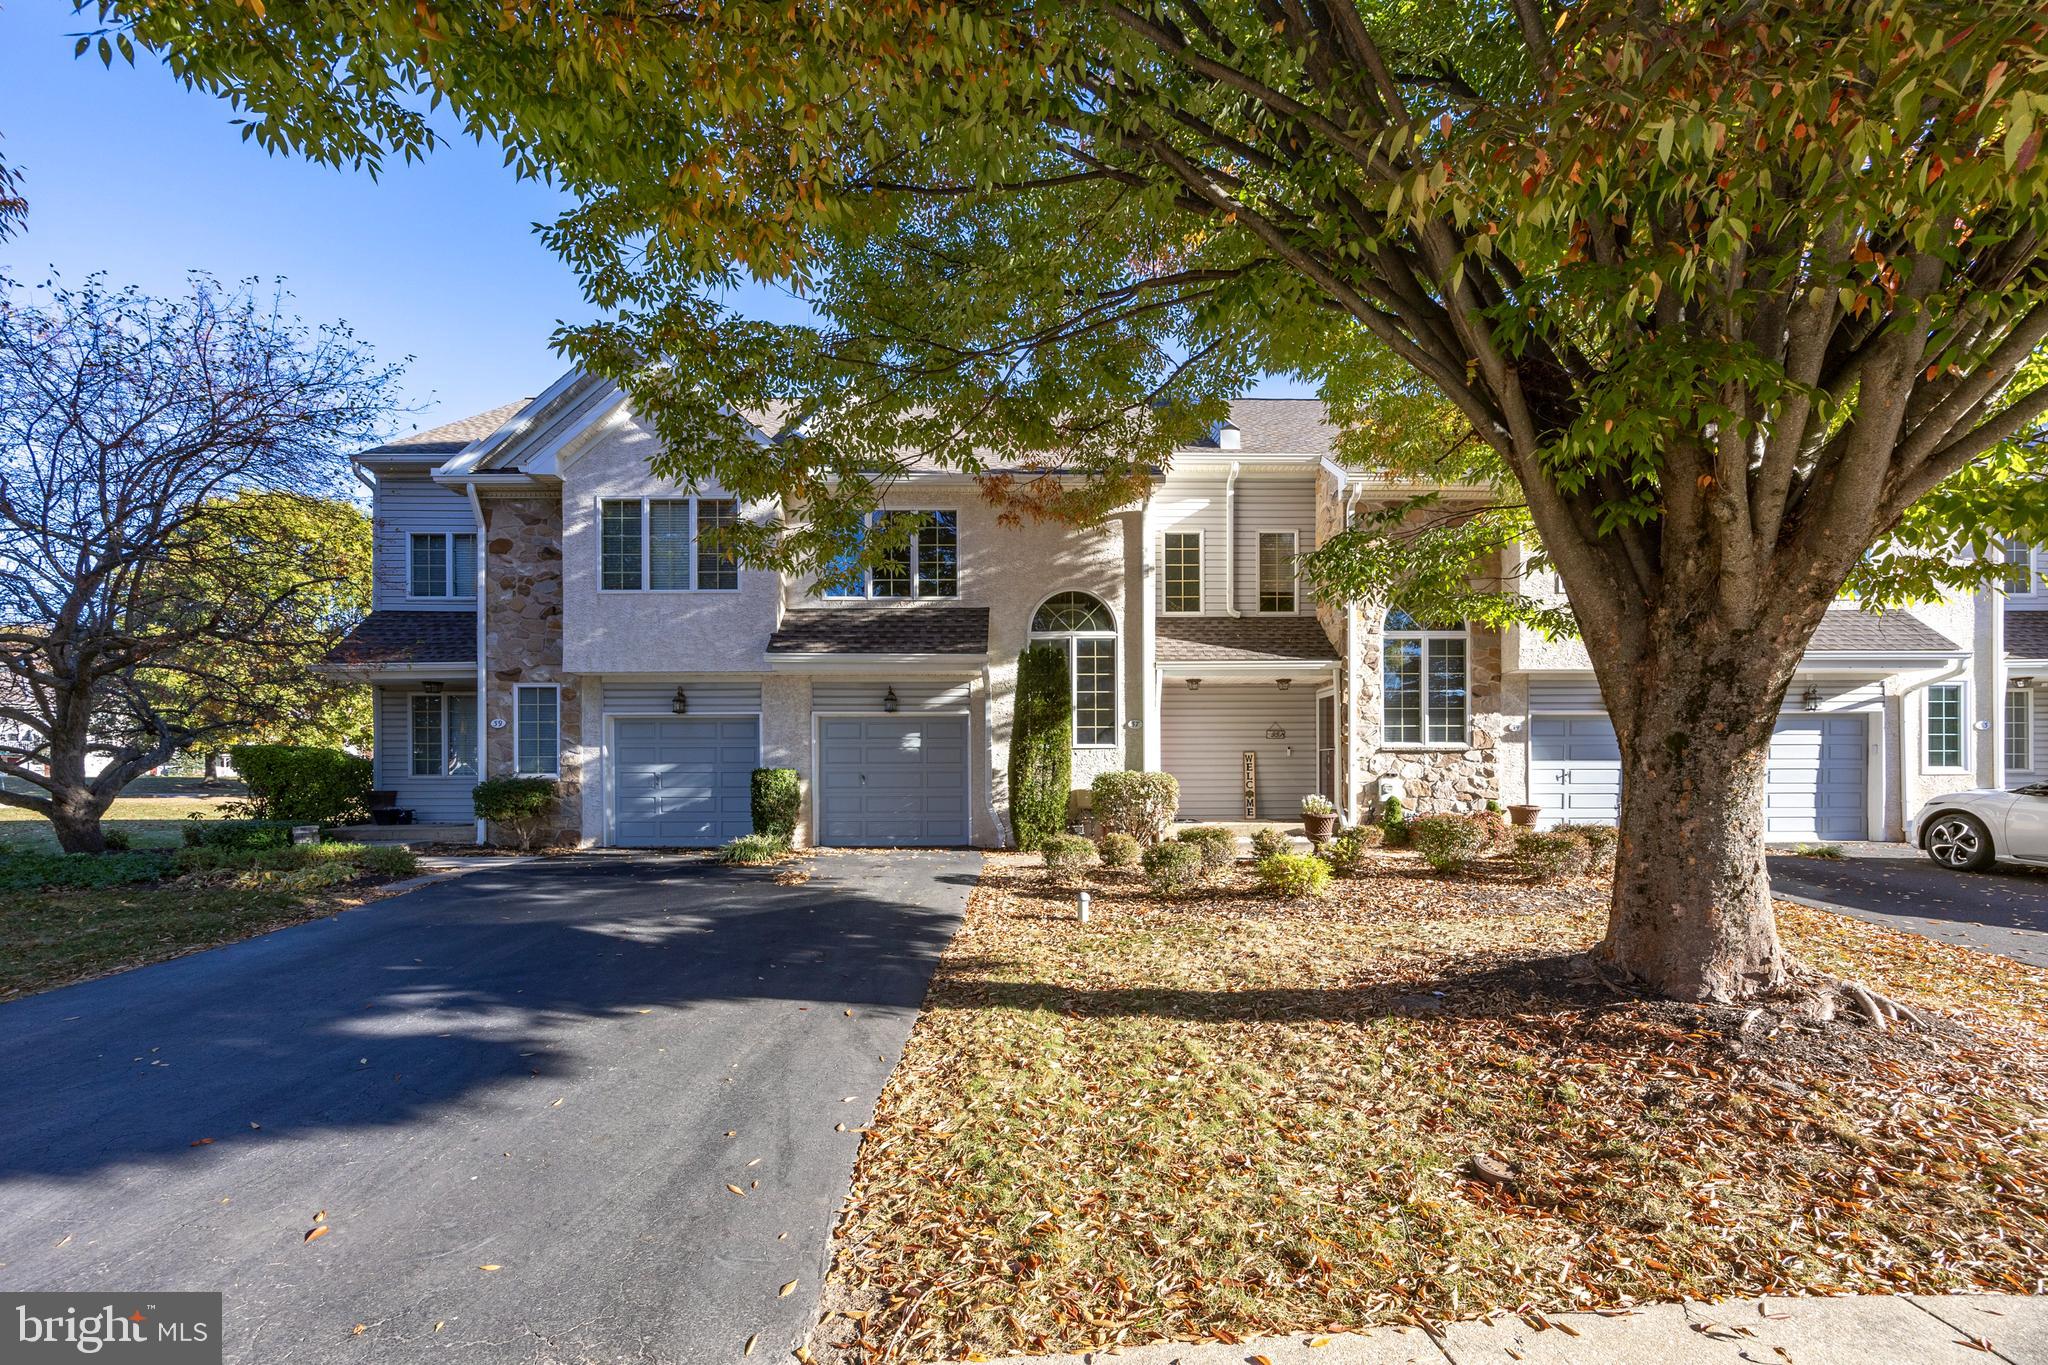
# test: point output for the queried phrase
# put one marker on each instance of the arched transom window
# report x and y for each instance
(1423, 681)
(1084, 628)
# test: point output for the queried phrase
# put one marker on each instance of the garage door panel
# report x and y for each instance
(682, 782)
(892, 780)
(1814, 787)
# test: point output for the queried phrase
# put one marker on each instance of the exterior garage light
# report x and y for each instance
(680, 703)
(1810, 699)
(889, 701)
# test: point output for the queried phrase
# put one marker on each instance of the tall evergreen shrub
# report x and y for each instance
(1041, 746)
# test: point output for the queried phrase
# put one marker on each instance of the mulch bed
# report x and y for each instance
(1415, 1100)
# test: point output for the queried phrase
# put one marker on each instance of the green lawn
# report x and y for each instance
(148, 821)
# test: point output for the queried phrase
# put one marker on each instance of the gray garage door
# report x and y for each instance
(892, 781)
(683, 783)
(1815, 786)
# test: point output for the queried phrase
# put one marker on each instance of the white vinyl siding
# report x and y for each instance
(1205, 734)
(862, 695)
(706, 697)
(1189, 504)
(537, 730)
(434, 798)
(1944, 745)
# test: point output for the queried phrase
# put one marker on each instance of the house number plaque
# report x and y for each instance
(1251, 785)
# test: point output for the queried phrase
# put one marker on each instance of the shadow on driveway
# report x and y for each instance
(2001, 911)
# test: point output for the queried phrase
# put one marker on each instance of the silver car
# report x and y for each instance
(1970, 830)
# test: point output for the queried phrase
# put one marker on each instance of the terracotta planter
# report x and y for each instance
(1524, 816)
(1319, 828)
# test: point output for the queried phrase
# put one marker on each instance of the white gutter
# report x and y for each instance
(1230, 542)
(483, 723)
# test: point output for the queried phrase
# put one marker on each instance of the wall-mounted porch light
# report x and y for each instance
(1194, 684)
(889, 702)
(680, 703)
(1810, 699)
(1283, 683)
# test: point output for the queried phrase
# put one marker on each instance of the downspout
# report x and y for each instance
(483, 724)
(1230, 542)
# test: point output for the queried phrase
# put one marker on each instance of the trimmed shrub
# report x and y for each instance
(1394, 823)
(1346, 852)
(1270, 843)
(1551, 856)
(1041, 746)
(1117, 850)
(1496, 835)
(1066, 855)
(1172, 867)
(1294, 874)
(1601, 841)
(389, 860)
(296, 867)
(523, 805)
(777, 800)
(1446, 842)
(1217, 844)
(200, 832)
(1138, 804)
(303, 785)
(120, 841)
(751, 850)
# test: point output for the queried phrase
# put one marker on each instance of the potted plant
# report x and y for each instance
(1318, 818)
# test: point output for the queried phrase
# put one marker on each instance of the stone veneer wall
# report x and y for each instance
(522, 574)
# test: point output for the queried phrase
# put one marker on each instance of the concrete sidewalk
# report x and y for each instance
(1967, 1329)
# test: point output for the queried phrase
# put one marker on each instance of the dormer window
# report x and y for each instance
(441, 564)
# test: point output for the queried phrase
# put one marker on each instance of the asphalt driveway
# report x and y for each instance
(2003, 911)
(518, 1098)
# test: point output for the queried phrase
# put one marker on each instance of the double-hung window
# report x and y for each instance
(1424, 691)
(441, 564)
(2019, 729)
(1945, 725)
(1276, 570)
(1181, 571)
(667, 544)
(920, 557)
(2019, 565)
(537, 730)
(444, 734)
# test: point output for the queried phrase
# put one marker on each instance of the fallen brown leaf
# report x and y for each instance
(316, 1233)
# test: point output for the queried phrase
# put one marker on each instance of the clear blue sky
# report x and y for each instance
(129, 173)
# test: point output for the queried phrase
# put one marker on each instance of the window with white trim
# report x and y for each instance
(1276, 571)
(537, 730)
(1945, 725)
(2019, 729)
(441, 564)
(1181, 571)
(1083, 627)
(444, 734)
(1424, 688)
(2019, 565)
(926, 562)
(666, 545)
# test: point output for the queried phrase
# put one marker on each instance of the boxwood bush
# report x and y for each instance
(1117, 850)
(777, 799)
(1268, 842)
(1346, 852)
(1041, 746)
(1552, 856)
(1601, 841)
(303, 785)
(523, 805)
(1138, 804)
(1446, 842)
(1217, 844)
(200, 832)
(1294, 874)
(1066, 855)
(1172, 868)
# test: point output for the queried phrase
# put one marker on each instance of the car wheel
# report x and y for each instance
(1959, 841)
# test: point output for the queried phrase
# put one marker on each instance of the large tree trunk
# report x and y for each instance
(75, 816)
(1691, 916)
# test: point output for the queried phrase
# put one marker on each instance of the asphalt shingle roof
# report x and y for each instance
(1852, 630)
(409, 637)
(450, 437)
(2026, 634)
(1241, 639)
(1278, 426)
(883, 630)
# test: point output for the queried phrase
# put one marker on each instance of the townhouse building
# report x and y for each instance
(545, 605)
